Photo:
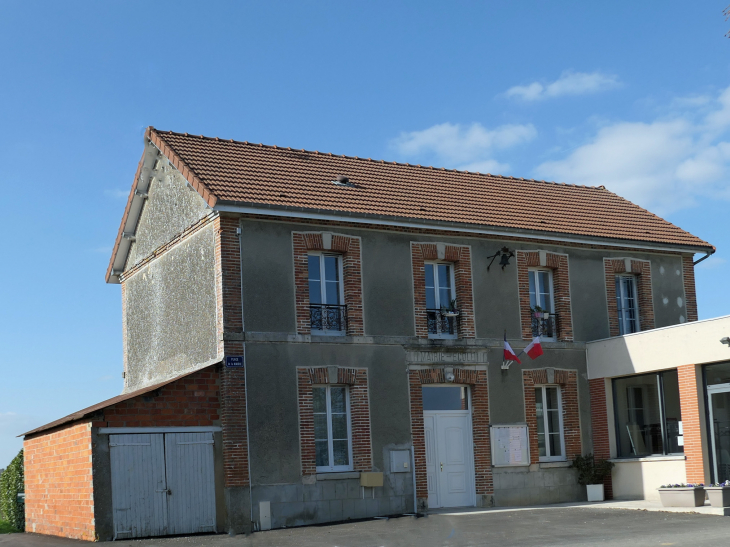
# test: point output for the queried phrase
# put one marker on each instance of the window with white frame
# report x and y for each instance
(548, 407)
(441, 306)
(627, 303)
(332, 436)
(326, 294)
(542, 304)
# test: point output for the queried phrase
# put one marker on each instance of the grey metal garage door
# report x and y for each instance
(162, 484)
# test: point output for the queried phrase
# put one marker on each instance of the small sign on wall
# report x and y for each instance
(234, 361)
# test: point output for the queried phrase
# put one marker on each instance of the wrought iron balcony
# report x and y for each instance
(443, 323)
(545, 325)
(328, 318)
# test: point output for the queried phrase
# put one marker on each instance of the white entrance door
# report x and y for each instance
(162, 484)
(449, 459)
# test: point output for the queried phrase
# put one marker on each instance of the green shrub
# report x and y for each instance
(591, 471)
(11, 482)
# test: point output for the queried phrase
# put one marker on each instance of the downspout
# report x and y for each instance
(708, 255)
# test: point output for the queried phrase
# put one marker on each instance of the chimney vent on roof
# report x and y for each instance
(342, 180)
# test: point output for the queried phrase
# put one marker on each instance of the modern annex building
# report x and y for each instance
(312, 338)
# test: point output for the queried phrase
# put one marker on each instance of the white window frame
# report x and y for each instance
(549, 458)
(323, 288)
(622, 311)
(532, 272)
(437, 298)
(335, 468)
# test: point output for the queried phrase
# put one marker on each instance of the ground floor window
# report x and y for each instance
(331, 408)
(648, 415)
(549, 413)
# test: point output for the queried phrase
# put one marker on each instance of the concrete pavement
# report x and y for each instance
(569, 526)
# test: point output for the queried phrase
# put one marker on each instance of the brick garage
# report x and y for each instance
(67, 468)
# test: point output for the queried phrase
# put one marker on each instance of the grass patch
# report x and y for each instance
(5, 528)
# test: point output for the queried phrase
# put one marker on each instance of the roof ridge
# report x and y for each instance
(345, 156)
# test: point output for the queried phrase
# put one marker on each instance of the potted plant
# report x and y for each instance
(719, 494)
(591, 474)
(540, 313)
(451, 310)
(682, 495)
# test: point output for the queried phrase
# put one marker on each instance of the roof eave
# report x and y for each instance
(329, 214)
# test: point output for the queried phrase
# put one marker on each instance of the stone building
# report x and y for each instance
(313, 338)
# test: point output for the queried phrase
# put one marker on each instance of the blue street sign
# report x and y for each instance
(233, 361)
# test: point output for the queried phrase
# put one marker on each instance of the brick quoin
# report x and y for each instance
(460, 257)
(477, 381)
(349, 248)
(230, 330)
(689, 382)
(642, 270)
(59, 485)
(558, 263)
(567, 381)
(599, 426)
(357, 381)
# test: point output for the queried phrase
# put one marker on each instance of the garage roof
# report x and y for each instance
(104, 404)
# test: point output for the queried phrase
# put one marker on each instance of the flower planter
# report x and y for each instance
(450, 313)
(719, 496)
(682, 497)
(595, 492)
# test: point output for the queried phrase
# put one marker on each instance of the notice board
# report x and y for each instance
(510, 445)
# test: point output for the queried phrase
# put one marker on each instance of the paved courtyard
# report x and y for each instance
(529, 527)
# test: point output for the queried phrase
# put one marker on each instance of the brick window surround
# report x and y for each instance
(558, 263)
(688, 277)
(460, 257)
(599, 427)
(357, 380)
(642, 270)
(349, 247)
(477, 380)
(567, 380)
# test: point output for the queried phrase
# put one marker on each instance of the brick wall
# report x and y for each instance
(59, 484)
(599, 427)
(357, 380)
(689, 383)
(349, 248)
(230, 342)
(567, 381)
(688, 277)
(558, 264)
(460, 257)
(193, 400)
(477, 380)
(642, 270)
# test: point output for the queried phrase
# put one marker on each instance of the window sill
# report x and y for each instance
(672, 458)
(548, 465)
(338, 475)
(328, 333)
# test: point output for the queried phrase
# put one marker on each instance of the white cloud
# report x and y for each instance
(464, 147)
(663, 165)
(712, 263)
(116, 193)
(569, 83)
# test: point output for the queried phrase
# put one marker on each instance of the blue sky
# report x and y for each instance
(635, 97)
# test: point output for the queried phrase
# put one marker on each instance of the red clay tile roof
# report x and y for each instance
(244, 173)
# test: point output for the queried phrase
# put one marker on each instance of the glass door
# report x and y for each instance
(719, 399)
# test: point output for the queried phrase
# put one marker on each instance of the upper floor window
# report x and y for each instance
(550, 440)
(542, 305)
(326, 296)
(441, 307)
(331, 406)
(626, 299)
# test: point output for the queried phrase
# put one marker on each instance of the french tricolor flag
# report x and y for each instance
(509, 355)
(534, 348)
